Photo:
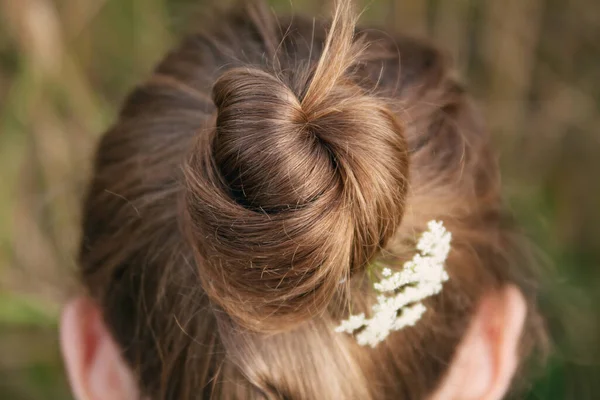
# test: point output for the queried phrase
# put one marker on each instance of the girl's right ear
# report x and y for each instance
(487, 357)
(93, 361)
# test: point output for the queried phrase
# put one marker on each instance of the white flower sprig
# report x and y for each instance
(419, 278)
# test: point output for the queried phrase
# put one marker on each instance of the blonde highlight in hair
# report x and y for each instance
(274, 165)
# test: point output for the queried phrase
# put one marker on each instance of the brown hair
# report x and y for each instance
(240, 202)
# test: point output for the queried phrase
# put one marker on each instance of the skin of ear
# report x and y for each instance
(487, 357)
(95, 367)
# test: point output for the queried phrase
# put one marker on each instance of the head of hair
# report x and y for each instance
(248, 185)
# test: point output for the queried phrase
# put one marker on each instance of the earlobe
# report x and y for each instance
(487, 357)
(92, 359)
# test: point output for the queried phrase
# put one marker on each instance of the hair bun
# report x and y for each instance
(259, 121)
(292, 192)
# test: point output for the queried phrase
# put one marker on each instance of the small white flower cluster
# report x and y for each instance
(419, 278)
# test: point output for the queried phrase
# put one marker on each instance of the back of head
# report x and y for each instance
(265, 167)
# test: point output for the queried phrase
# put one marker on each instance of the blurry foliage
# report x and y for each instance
(65, 65)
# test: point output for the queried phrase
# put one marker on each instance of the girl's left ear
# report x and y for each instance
(93, 361)
(487, 357)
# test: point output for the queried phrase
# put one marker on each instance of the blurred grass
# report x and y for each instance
(65, 66)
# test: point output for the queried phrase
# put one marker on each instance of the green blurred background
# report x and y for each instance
(65, 65)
